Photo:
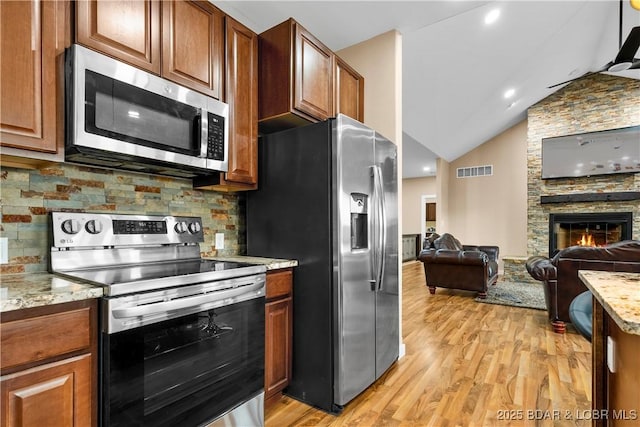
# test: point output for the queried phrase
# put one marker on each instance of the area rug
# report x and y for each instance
(527, 295)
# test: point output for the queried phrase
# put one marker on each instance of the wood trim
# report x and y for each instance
(620, 196)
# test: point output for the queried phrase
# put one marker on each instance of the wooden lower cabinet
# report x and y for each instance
(49, 366)
(615, 395)
(54, 394)
(278, 333)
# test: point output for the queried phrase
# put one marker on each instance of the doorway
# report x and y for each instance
(428, 215)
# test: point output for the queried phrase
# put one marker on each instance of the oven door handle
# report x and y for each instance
(186, 302)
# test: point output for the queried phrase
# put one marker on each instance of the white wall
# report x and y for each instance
(492, 210)
(412, 191)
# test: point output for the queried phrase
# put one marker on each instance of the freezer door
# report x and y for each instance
(387, 301)
(354, 350)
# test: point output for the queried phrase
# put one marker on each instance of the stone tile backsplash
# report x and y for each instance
(26, 197)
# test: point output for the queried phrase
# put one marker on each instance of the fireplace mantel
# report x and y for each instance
(619, 196)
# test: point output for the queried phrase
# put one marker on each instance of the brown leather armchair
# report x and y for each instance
(449, 264)
(560, 273)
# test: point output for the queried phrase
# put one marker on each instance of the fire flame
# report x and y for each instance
(586, 240)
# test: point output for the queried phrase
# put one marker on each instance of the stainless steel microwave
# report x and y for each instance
(121, 117)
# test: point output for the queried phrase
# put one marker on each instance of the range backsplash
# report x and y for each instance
(594, 103)
(28, 195)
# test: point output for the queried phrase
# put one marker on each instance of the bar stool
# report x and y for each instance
(581, 313)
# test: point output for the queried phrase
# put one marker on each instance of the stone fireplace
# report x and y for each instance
(591, 229)
(594, 103)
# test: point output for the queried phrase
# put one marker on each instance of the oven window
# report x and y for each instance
(121, 111)
(184, 371)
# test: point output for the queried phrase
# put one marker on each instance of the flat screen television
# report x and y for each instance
(593, 153)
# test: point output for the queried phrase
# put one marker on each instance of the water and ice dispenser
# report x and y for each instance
(359, 221)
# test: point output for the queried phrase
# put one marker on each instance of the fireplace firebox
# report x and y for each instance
(588, 229)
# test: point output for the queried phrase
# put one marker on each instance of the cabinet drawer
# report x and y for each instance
(47, 336)
(279, 284)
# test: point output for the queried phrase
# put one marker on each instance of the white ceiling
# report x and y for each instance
(456, 69)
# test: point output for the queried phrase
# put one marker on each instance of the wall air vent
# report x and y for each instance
(474, 171)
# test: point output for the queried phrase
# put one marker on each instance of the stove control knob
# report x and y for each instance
(194, 227)
(180, 227)
(70, 226)
(93, 226)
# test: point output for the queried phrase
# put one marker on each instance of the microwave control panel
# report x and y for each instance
(215, 138)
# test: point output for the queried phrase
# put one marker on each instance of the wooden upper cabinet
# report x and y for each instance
(241, 82)
(33, 38)
(193, 45)
(127, 30)
(313, 81)
(182, 41)
(241, 94)
(296, 78)
(349, 85)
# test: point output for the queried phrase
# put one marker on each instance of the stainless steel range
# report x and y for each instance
(182, 338)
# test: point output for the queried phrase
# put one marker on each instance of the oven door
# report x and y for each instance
(186, 370)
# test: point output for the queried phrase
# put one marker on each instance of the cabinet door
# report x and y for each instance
(55, 394)
(192, 45)
(34, 35)
(431, 212)
(241, 83)
(313, 78)
(277, 357)
(349, 91)
(127, 30)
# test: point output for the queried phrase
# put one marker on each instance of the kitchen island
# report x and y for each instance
(615, 347)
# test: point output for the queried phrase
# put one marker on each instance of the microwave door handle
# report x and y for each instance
(203, 122)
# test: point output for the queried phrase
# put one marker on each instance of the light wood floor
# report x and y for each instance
(466, 364)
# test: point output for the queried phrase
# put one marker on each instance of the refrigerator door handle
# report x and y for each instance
(381, 221)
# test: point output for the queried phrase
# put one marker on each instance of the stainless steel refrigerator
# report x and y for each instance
(327, 197)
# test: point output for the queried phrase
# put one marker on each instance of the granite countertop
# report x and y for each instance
(270, 263)
(38, 289)
(26, 290)
(619, 294)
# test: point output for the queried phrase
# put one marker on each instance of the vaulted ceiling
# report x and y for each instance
(456, 68)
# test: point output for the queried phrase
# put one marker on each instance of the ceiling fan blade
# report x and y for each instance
(577, 78)
(629, 47)
(635, 65)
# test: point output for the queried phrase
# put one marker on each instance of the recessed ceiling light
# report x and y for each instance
(426, 168)
(509, 93)
(492, 16)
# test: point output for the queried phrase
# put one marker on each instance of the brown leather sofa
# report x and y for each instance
(449, 264)
(560, 273)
